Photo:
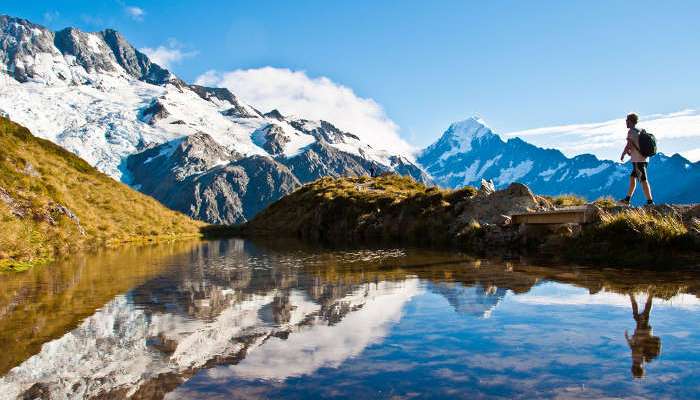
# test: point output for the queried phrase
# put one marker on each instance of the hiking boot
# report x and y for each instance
(650, 202)
(625, 201)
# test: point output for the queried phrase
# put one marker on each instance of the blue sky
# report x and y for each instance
(517, 64)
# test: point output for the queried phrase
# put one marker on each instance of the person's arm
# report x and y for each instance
(626, 151)
(628, 148)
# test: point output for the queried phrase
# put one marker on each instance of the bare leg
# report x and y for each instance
(633, 185)
(647, 190)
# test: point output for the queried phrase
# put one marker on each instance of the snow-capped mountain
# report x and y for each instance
(469, 151)
(99, 97)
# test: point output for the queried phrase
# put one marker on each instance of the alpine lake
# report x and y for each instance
(236, 319)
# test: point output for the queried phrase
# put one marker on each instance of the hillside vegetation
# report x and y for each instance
(53, 202)
(391, 209)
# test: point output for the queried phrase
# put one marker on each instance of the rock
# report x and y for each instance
(490, 209)
(503, 220)
(61, 210)
(487, 187)
(271, 138)
(16, 209)
(274, 114)
(238, 110)
(30, 171)
(155, 111)
(323, 131)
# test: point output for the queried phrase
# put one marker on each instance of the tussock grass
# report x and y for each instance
(385, 208)
(566, 200)
(634, 237)
(605, 202)
(640, 224)
(109, 212)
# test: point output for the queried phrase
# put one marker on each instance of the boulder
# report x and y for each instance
(491, 208)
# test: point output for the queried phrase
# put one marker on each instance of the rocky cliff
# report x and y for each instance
(96, 95)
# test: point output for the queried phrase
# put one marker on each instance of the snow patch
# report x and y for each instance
(588, 172)
(512, 174)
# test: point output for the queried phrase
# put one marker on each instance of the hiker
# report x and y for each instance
(639, 161)
(643, 344)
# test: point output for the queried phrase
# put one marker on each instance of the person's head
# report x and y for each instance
(632, 120)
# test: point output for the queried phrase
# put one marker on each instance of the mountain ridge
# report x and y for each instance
(100, 98)
(469, 151)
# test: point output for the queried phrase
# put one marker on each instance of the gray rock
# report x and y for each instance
(274, 114)
(133, 61)
(487, 187)
(236, 111)
(22, 40)
(490, 208)
(272, 138)
(19, 42)
(325, 132)
(153, 112)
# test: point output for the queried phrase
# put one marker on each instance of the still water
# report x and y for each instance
(237, 319)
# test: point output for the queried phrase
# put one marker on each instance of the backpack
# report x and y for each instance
(647, 143)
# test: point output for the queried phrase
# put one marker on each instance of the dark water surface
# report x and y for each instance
(236, 319)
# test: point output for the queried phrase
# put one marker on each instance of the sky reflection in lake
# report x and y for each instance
(233, 319)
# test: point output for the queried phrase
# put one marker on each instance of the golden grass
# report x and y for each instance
(389, 208)
(643, 225)
(605, 202)
(566, 200)
(635, 237)
(109, 212)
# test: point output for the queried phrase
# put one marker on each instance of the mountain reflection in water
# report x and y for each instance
(240, 319)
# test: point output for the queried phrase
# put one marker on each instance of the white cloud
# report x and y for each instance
(167, 55)
(675, 132)
(295, 93)
(136, 13)
(693, 155)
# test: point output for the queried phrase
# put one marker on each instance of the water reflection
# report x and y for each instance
(644, 345)
(235, 319)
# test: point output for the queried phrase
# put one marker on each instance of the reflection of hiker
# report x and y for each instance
(640, 161)
(644, 345)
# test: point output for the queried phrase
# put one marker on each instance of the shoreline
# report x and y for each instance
(395, 210)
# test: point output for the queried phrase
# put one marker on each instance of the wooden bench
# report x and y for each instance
(568, 215)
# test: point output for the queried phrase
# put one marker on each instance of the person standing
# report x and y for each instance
(639, 161)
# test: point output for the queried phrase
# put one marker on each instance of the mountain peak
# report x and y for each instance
(469, 129)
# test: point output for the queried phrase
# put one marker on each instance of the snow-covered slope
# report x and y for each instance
(99, 97)
(126, 349)
(469, 151)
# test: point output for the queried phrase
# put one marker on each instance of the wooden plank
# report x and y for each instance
(571, 215)
(551, 218)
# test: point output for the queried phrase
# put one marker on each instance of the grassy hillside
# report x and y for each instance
(384, 209)
(394, 209)
(53, 202)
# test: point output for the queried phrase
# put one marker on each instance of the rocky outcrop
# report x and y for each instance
(153, 112)
(205, 180)
(321, 159)
(199, 177)
(396, 208)
(272, 139)
(133, 61)
(239, 110)
(274, 114)
(233, 193)
(323, 131)
(32, 52)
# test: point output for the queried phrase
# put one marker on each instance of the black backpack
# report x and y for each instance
(647, 143)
